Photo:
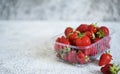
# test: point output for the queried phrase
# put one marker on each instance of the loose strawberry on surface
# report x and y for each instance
(110, 69)
(105, 59)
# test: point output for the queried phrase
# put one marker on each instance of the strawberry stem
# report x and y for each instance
(114, 69)
(108, 52)
(87, 58)
(94, 24)
(93, 36)
(100, 33)
(80, 34)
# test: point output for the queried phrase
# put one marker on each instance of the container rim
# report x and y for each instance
(76, 47)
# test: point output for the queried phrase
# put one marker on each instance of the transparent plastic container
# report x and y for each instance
(68, 53)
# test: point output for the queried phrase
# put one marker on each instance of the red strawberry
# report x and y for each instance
(82, 58)
(64, 56)
(90, 34)
(72, 56)
(58, 39)
(68, 30)
(92, 28)
(82, 28)
(103, 31)
(64, 40)
(105, 59)
(83, 41)
(110, 69)
(73, 36)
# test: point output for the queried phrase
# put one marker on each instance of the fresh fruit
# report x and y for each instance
(58, 39)
(61, 39)
(72, 56)
(92, 28)
(110, 69)
(68, 30)
(82, 28)
(83, 41)
(64, 40)
(73, 36)
(91, 35)
(103, 31)
(105, 59)
(82, 58)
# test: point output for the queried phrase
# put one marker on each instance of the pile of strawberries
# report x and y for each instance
(77, 46)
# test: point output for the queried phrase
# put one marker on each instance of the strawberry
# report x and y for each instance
(90, 34)
(72, 56)
(82, 28)
(83, 41)
(103, 31)
(64, 56)
(92, 28)
(58, 39)
(68, 30)
(64, 40)
(82, 58)
(110, 69)
(105, 59)
(73, 36)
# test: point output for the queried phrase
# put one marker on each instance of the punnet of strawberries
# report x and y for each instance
(83, 43)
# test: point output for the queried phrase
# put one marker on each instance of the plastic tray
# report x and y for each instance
(68, 53)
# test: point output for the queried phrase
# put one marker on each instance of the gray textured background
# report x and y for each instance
(67, 10)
